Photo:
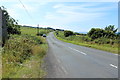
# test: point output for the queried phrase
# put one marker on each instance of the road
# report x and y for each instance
(66, 60)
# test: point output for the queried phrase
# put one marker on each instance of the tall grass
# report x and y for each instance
(22, 55)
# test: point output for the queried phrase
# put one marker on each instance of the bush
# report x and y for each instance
(17, 50)
(102, 40)
(86, 38)
(68, 33)
(95, 33)
(20, 47)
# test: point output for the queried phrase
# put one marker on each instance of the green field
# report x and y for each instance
(23, 55)
(33, 31)
(85, 41)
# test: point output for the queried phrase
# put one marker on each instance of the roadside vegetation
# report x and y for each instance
(103, 39)
(22, 57)
(23, 52)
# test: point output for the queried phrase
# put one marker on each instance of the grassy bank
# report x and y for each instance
(80, 40)
(23, 55)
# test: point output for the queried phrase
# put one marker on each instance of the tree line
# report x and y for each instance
(94, 33)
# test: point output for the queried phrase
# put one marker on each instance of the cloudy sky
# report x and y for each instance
(76, 15)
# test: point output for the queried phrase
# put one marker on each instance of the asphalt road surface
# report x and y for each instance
(66, 60)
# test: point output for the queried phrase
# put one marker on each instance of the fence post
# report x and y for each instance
(0, 27)
(3, 28)
(0, 43)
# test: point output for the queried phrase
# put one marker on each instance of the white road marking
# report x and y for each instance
(78, 51)
(58, 61)
(116, 54)
(64, 70)
(113, 66)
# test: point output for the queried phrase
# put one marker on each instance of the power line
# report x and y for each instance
(26, 10)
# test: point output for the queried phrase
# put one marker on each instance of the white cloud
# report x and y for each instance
(67, 14)
(61, 14)
(83, 7)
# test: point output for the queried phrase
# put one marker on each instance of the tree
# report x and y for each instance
(111, 28)
(95, 33)
(12, 25)
(76, 33)
(68, 33)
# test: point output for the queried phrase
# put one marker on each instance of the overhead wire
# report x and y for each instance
(26, 10)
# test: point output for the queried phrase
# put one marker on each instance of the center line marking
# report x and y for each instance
(64, 70)
(78, 51)
(113, 66)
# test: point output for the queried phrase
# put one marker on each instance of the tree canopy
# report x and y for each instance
(12, 24)
(108, 32)
(111, 28)
(68, 33)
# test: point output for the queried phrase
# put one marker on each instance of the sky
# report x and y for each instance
(75, 15)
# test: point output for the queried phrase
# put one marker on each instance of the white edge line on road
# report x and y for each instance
(78, 51)
(113, 66)
(116, 54)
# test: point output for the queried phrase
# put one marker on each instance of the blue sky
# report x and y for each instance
(75, 16)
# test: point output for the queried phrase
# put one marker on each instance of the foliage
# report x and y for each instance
(111, 28)
(68, 33)
(109, 32)
(12, 25)
(76, 33)
(17, 50)
(106, 42)
(95, 33)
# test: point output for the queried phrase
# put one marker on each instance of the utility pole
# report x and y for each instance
(38, 29)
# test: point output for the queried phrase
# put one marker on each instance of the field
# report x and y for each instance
(23, 55)
(33, 31)
(86, 41)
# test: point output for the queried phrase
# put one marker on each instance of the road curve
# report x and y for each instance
(66, 60)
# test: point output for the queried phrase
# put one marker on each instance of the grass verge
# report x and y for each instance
(103, 47)
(23, 56)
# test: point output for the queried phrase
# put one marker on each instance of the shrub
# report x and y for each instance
(17, 50)
(86, 38)
(102, 40)
(68, 33)
(20, 47)
(95, 33)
